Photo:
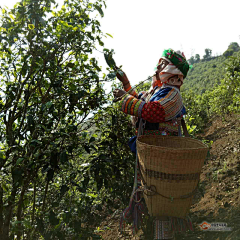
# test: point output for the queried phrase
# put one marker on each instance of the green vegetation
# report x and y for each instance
(61, 171)
(49, 85)
(233, 47)
(216, 95)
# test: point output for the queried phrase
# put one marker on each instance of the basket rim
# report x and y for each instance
(202, 145)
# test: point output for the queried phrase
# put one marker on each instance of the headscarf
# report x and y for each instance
(178, 65)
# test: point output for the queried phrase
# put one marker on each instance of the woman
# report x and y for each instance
(161, 108)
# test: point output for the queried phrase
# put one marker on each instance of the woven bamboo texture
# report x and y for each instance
(170, 167)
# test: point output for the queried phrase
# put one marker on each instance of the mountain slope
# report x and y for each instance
(205, 75)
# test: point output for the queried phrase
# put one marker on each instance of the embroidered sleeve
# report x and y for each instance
(161, 110)
(131, 105)
(152, 112)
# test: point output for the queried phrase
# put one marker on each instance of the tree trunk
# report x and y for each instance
(8, 214)
(34, 203)
(45, 196)
(19, 210)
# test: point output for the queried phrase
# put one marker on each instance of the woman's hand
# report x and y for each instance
(118, 93)
(122, 77)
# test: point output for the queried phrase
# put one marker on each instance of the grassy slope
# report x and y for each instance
(205, 74)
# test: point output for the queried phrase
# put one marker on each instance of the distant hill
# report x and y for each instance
(205, 74)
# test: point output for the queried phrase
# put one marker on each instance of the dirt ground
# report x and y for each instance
(218, 197)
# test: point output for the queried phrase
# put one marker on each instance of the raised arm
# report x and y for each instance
(126, 84)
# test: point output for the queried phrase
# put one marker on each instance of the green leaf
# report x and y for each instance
(49, 104)
(112, 75)
(87, 149)
(17, 175)
(2, 156)
(63, 157)
(109, 59)
(31, 26)
(81, 94)
(92, 139)
(63, 190)
(99, 10)
(42, 21)
(72, 87)
(19, 161)
(109, 35)
(66, 217)
(53, 219)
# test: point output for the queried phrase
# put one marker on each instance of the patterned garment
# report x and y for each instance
(162, 230)
(165, 105)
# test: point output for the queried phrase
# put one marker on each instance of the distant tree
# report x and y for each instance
(208, 53)
(234, 46)
(229, 52)
(197, 58)
(191, 60)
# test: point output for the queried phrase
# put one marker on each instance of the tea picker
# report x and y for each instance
(168, 166)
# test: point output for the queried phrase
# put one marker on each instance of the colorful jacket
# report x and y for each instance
(165, 105)
(161, 113)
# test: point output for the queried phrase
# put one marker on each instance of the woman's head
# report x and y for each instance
(172, 69)
(156, 78)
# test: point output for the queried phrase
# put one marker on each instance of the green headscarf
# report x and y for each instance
(179, 60)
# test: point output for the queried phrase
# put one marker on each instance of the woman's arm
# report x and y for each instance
(126, 84)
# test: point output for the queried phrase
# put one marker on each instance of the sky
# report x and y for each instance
(142, 29)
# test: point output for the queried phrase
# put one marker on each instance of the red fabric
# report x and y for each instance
(156, 83)
(153, 112)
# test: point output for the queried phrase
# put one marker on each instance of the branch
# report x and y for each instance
(45, 196)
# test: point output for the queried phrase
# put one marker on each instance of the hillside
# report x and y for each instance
(205, 74)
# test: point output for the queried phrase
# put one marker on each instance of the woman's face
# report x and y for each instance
(163, 63)
(175, 80)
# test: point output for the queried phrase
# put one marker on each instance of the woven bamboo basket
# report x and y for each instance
(170, 169)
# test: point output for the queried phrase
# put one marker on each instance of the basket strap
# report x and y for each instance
(153, 191)
(185, 131)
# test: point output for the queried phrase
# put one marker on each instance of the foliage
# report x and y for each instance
(208, 53)
(219, 100)
(112, 163)
(229, 52)
(49, 85)
(197, 58)
(205, 75)
(233, 47)
(191, 60)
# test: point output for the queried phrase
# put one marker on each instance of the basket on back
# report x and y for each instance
(170, 169)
